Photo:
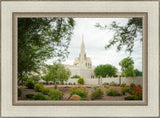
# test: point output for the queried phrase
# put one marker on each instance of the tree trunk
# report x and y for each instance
(20, 79)
(119, 80)
(55, 85)
(98, 81)
(47, 82)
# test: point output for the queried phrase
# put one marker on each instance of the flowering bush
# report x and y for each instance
(136, 93)
(112, 92)
(38, 87)
(79, 91)
(97, 93)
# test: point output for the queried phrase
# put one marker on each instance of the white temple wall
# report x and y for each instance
(128, 81)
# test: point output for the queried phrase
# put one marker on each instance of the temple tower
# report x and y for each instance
(83, 61)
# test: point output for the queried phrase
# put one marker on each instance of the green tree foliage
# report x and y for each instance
(137, 72)
(75, 76)
(57, 73)
(36, 78)
(81, 81)
(105, 70)
(127, 67)
(124, 36)
(40, 39)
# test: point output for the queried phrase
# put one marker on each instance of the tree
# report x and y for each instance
(40, 39)
(127, 67)
(124, 36)
(57, 73)
(105, 70)
(36, 78)
(137, 72)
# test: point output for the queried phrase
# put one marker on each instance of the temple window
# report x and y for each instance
(84, 56)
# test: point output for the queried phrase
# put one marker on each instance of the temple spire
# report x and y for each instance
(82, 45)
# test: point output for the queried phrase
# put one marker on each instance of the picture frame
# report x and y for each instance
(11, 10)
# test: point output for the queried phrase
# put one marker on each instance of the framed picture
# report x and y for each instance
(80, 59)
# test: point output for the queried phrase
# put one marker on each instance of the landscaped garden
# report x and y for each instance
(45, 71)
(108, 91)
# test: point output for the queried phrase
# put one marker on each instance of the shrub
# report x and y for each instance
(55, 94)
(81, 92)
(123, 85)
(66, 87)
(19, 92)
(30, 83)
(69, 83)
(113, 84)
(30, 96)
(38, 87)
(45, 91)
(112, 92)
(131, 97)
(105, 83)
(24, 78)
(75, 76)
(125, 90)
(81, 81)
(132, 85)
(106, 86)
(95, 87)
(74, 83)
(80, 99)
(97, 93)
(40, 97)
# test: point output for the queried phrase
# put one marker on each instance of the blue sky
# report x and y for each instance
(95, 40)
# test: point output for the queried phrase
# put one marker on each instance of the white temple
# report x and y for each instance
(82, 65)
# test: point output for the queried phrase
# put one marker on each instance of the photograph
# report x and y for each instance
(79, 59)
